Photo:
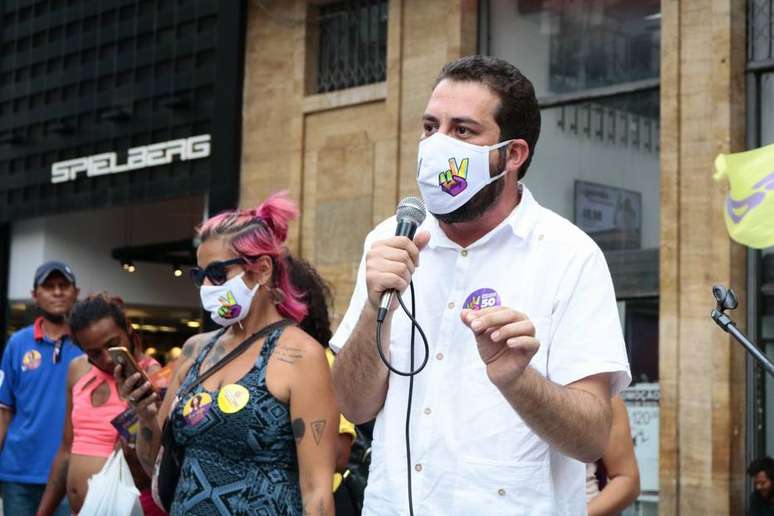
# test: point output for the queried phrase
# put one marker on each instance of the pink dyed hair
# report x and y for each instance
(262, 231)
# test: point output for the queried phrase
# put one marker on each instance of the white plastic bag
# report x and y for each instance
(112, 491)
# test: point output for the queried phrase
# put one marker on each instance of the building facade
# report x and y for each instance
(119, 132)
(637, 100)
(101, 105)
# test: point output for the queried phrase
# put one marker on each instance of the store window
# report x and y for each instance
(595, 65)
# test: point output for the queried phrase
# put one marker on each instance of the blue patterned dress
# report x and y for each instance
(240, 453)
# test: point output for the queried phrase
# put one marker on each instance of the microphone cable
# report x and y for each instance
(410, 374)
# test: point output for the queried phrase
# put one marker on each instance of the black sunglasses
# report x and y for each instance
(216, 272)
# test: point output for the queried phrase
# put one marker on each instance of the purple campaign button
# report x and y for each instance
(482, 298)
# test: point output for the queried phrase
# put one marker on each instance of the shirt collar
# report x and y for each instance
(520, 221)
(39, 333)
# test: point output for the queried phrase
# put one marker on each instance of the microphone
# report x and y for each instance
(725, 297)
(410, 214)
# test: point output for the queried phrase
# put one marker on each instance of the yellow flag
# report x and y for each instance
(750, 203)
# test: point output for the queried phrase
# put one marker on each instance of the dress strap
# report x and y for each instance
(82, 382)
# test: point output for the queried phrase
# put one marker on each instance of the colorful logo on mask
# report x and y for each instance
(196, 408)
(454, 180)
(31, 360)
(229, 307)
(482, 298)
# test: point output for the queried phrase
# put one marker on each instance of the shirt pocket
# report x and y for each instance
(502, 488)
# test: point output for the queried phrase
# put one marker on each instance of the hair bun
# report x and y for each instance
(277, 211)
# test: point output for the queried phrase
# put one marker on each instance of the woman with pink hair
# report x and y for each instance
(259, 435)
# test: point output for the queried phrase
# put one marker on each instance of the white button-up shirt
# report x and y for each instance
(471, 453)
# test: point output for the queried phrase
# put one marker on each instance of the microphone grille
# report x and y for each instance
(411, 208)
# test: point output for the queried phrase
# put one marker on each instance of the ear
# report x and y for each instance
(261, 270)
(518, 153)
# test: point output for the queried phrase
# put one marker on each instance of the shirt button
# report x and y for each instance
(439, 356)
(451, 305)
(464, 252)
(418, 468)
(501, 492)
(428, 411)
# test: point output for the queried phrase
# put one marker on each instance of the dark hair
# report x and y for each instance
(96, 307)
(316, 294)
(518, 114)
(765, 464)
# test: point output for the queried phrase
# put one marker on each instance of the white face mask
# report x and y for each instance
(228, 303)
(450, 172)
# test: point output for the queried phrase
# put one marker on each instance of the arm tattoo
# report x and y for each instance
(298, 428)
(320, 509)
(188, 351)
(191, 349)
(145, 454)
(318, 427)
(288, 354)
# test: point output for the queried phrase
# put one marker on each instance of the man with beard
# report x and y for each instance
(520, 315)
(33, 378)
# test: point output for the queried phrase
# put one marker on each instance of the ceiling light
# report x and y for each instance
(177, 271)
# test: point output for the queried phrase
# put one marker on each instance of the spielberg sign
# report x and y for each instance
(153, 155)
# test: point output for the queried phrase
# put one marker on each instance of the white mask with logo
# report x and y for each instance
(228, 303)
(450, 172)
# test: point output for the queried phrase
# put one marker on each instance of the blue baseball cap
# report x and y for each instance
(45, 270)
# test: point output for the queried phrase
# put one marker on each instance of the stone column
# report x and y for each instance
(702, 370)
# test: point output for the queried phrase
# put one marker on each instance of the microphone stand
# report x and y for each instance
(727, 300)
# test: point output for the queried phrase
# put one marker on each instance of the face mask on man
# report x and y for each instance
(450, 172)
(230, 302)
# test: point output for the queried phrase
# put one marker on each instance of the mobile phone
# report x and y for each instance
(122, 357)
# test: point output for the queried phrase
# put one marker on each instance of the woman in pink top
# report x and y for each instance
(97, 323)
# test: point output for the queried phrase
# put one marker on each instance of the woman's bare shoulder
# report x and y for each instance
(297, 346)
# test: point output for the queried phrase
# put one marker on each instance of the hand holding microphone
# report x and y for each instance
(390, 263)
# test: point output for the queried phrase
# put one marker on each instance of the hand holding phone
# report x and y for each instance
(139, 392)
(129, 366)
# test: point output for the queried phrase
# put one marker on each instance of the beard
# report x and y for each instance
(52, 318)
(482, 201)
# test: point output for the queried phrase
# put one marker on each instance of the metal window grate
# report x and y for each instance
(352, 44)
(761, 30)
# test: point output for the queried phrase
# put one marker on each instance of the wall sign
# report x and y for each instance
(611, 216)
(153, 155)
(642, 403)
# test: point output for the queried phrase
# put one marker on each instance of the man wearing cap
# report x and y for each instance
(33, 378)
